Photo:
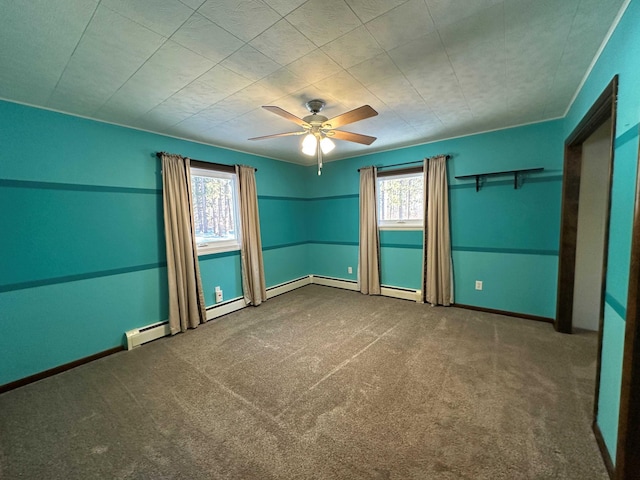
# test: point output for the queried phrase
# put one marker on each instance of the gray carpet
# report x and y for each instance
(319, 383)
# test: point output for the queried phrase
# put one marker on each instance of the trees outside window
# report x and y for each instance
(215, 210)
(401, 201)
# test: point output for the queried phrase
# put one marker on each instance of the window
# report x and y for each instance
(401, 200)
(215, 210)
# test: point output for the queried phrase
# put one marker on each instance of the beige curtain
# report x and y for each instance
(437, 279)
(186, 298)
(369, 264)
(253, 284)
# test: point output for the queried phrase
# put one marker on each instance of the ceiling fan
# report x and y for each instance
(319, 130)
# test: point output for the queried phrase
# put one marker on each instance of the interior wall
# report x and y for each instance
(505, 237)
(592, 218)
(619, 57)
(83, 235)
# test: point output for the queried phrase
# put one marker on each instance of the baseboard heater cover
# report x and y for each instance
(138, 336)
(334, 282)
(402, 293)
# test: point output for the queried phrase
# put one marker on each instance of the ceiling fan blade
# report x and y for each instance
(352, 137)
(286, 115)
(352, 116)
(278, 135)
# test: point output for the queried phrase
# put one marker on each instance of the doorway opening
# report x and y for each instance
(584, 229)
(603, 112)
(591, 241)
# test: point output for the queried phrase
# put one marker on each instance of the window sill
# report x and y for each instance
(212, 250)
(400, 227)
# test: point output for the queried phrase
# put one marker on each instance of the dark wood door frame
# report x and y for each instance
(628, 446)
(604, 108)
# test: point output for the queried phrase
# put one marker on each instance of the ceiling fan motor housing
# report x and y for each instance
(315, 106)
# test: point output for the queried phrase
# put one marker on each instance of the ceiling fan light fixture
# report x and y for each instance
(317, 128)
(326, 144)
(309, 144)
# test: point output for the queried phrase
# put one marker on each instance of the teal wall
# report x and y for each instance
(620, 57)
(83, 238)
(497, 233)
(83, 248)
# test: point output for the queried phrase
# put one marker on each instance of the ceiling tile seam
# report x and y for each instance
(223, 98)
(73, 52)
(412, 86)
(383, 13)
(604, 43)
(352, 11)
(208, 106)
(564, 49)
(386, 52)
(191, 50)
(315, 49)
(215, 103)
(366, 25)
(297, 8)
(455, 74)
(321, 48)
(414, 89)
(166, 39)
(280, 17)
(218, 64)
(297, 30)
(189, 6)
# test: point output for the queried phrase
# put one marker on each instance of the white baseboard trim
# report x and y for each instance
(334, 282)
(386, 291)
(404, 294)
(236, 304)
(287, 286)
(225, 308)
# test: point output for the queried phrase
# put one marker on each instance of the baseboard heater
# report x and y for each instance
(138, 336)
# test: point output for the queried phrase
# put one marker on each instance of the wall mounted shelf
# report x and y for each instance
(518, 176)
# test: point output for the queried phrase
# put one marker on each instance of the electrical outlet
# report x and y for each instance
(478, 284)
(349, 269)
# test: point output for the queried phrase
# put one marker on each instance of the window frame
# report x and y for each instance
(399, 224)
(203, 169)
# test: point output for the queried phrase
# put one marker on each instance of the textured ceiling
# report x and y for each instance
(201, 70)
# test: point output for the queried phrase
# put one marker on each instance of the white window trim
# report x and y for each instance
(221, 246)
(399, 224)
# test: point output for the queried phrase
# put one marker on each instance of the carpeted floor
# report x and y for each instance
(319, 383)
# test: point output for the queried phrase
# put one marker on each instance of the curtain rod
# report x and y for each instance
(159, 154)
(408, 163)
